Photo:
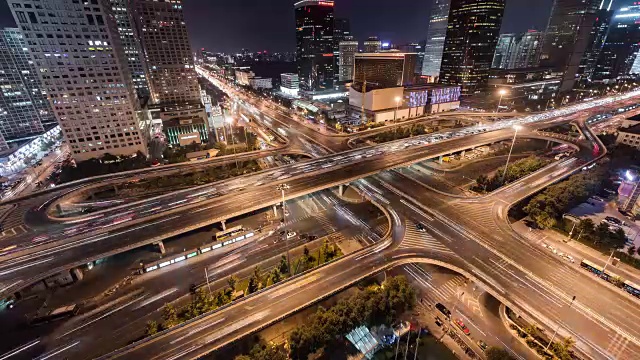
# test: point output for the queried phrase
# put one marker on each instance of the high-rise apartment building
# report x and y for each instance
(385, 69)
(348, 50)
(435, 38)
(76, 50)
(315, 44)
(567, 37)
(372, 44)
(25, 111)
(517, 51)
(131, 45)
(472, 34)
(173, 81)
(620, 50)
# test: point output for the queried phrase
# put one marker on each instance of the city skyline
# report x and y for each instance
(215, 26)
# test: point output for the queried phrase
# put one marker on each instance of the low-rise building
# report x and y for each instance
(261, 83)
(533, 88)
(629, 136)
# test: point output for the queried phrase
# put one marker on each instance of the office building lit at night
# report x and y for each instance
(315, 44)
(472, 35)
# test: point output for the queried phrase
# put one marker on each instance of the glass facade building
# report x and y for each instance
(517, 51)
(620, 50)
(385, 69)
(348, 50)
(435, 38)
(315, 44)
(25, 111)
(341, 32)
(568, 37)
(472, 34)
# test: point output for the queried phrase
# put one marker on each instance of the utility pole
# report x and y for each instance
(206, 275)
(558, 327)
(607, 263)
(282, 188)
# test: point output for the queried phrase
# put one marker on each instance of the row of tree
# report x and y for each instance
(401, 133)
(600, 235)
(517, 170)
(546, 208)
(107, 164)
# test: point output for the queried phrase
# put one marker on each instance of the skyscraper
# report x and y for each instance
(348, 50)
(341, 32)
(372, 44)
(435, 38)
(76, 50)
(517, 51)
(131, 45)
(596, 41)
(173, 81)
(314, 44)
(567, 37)
(472, 34)
(25, 111)
(620, 50)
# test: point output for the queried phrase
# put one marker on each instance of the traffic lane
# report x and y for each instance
(173, 285)
(525, 289)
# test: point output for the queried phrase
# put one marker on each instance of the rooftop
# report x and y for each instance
(635, 129)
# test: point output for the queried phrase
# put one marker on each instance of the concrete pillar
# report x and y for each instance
(161, 247)
(549, 144)
(275, 210)
(224, 225)
(462, 153)
(440, 159)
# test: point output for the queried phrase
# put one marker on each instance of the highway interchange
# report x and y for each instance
(511, 274)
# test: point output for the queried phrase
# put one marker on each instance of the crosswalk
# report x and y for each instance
(13, 231)
(423, 240)
(617, 346)
(435, 294)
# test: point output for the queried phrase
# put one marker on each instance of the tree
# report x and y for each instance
(284, 266)
(587, 227)
(170, 316)
(275, 276)
(232, 282)
(253, 286)
(152, 328)
(618, 238)
(602, 233)
(496, 353)
(256, 274)
(631, 250)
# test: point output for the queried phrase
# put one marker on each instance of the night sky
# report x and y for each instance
(229, 25)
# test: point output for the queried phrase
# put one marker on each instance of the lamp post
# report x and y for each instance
(282, 188)
(516, 128)
(229, 121)
(395, 114)
(502, 93)
(558, 327)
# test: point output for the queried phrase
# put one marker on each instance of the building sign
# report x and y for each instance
(418, 98)
(186, 139)
(186, 122)
(445, 95)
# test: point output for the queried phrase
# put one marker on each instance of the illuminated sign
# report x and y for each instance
(418, 98)
(445, 95)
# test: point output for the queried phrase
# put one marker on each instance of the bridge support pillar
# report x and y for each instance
(462, 154)
(161, 247)
(549, 144)
(275, 210)
(341, 189)
(440, 159)
(224, 225)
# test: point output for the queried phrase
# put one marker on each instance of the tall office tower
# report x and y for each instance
(385, 69)
(131, 44)
(314, 44)
(517, 51)
(25, 111)
(76, 49)
(435, 38)
(596, 41)
(567, 37)
(372, 44)
(348, 50)
(472, 35)
(341, 32)
(173, 81)
(620, 50)
(504, 48)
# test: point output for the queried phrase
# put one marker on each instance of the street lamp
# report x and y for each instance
(558, 327)
(282, 188)
(229, 121)
(516, 128)
(395, 114)
(502, 93)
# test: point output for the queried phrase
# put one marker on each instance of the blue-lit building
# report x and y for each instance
(25, 112)
(619, 54)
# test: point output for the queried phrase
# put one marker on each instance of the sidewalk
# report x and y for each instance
(574, 248)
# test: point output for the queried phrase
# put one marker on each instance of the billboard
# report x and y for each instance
(187, 139)
(445, 95)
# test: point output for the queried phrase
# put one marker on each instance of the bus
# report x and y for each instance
(588, 265)
(229, 233)
(631, 288)
(607, 275)
(56, 314)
